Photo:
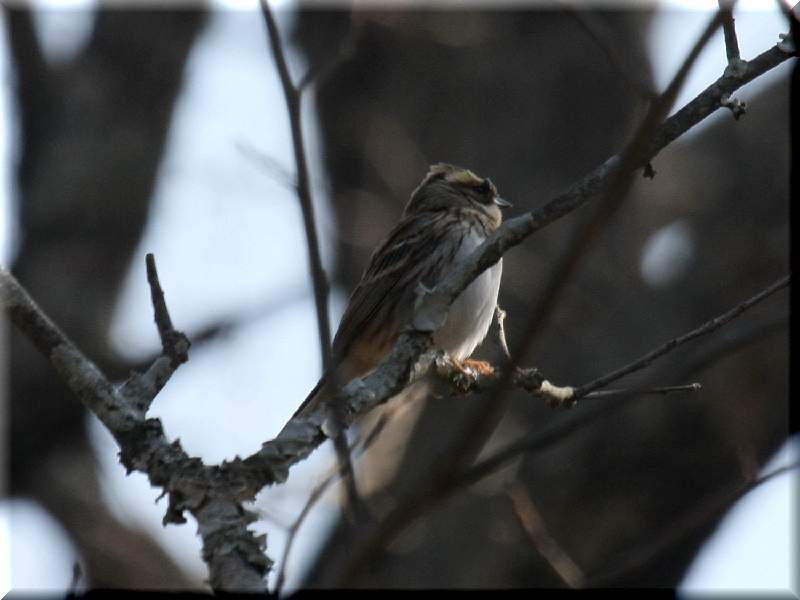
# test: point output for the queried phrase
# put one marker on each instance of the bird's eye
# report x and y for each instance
(485, 189)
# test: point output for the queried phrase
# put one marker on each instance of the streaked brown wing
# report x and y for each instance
(418, 249)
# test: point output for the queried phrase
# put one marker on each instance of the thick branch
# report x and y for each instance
(78, 372)
(234, 555)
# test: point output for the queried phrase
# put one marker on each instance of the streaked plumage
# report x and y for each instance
(449, 215)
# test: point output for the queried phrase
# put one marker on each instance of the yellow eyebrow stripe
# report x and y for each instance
(455, 174)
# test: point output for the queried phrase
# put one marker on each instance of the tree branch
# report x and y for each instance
(319, 491)
(234, 555)
(542, 439)
(214, 494)
(704, 329)
(534, 526)
(412, 355)
(293, 98)
(432, 311)
(451, 480)
(729, 29)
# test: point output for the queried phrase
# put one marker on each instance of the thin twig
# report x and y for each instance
(293, 104)
(548, 436)
(704, 329)
(362, 446)
(320, 72)
(355, 507)
(662, 391)
(449, 482)
(294, 97)
(729, 29)
(269, 164)
(174, 343)
(465, 380)
(728, 342)
(532, 522)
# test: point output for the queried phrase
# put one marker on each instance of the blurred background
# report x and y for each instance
(132, 131)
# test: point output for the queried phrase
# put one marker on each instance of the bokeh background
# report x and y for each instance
(165, 131)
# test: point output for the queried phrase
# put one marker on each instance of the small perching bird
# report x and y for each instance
(449, 214)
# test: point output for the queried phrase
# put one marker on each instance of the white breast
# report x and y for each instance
(471, 314)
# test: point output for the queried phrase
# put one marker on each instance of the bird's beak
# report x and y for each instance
(502, 203)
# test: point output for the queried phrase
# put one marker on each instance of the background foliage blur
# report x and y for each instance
(531, 98)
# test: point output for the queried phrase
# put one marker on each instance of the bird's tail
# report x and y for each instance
(317, 396)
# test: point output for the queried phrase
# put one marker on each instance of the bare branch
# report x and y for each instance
(319, 73)
(411, 356)
(78, 372)
(451, 480)
(464, 380)
(293, 97)
(537, 441)
(293, 100)
(729, 341)
(234, 555)
(432, 312)
(269, 164)
(660, 391)
(552, 434)
(533, 524)
(354, 506)
(360, 446)
(174, 343)
(214, 494)
(704, 329)
(729, 29)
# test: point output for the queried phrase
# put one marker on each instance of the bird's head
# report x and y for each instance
(447, 187)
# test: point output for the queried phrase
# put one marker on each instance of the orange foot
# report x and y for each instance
(481, 367)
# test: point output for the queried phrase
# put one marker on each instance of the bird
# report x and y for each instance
(449, 214)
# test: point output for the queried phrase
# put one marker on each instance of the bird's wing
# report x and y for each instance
(417, 250)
